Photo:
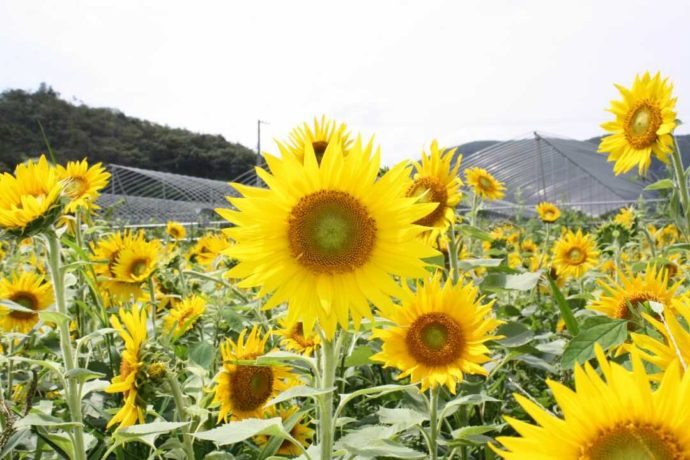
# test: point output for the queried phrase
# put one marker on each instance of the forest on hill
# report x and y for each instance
(108, 135)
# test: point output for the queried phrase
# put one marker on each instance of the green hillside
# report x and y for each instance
(107, 135)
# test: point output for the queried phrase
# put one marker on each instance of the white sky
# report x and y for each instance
(405, 71)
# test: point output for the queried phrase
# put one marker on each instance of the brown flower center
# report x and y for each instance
(485, 184)
(26, 300)
(633, 441)
(331, 232)
(642, 123)
(435, 339)
(634, 300)
(576, 256)
(430, 190)
(251, 387)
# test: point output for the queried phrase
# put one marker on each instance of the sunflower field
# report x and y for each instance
(351, 311)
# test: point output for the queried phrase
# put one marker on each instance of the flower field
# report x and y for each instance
(350, 311)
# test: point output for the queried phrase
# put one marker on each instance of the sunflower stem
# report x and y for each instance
(682, 183)
(329, 358)
(187, 441)
(154, 306)
(453, 255)
(72, 389)
(433, 419)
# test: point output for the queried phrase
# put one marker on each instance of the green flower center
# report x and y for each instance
(331, 232)
(634, 442)
(485, 183)
(576, 256)
(642, 123)
(139, 267)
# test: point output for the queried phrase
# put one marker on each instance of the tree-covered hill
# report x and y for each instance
(107, 135)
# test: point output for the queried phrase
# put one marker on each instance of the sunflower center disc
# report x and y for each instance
(430, 190)
(484, 183)
(251, 387)
(26, 300)
(576, 256)
(635, 301)
(331, 232)
(435, 339)
(643, 124)
(76, 187)
(139, 267)
(633, 442)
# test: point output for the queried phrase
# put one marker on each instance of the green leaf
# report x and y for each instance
(605, 331)
(468, 264)
(276, 358)
(149, 428)
(564, 307)
(359, 356)
(54, 317)
(466, 400)
(473, 232)
(374, 442)
(401, 417)
(38, 418)
(499, 281)
(372, 392)
(235, 432)
(81, 374)
(301, 391)
(660, 185)
(202, 354)
(472, 434)
(515, 334)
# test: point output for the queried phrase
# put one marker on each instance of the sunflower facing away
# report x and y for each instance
(617, 417)
(645, 120)
(437, 181)
(300, 431)
(175, 230)
(182, 316)
(132, 329)
(548, 212)
(293, 338)
(29, 290)
(243, 390)
(634, 290)
(316, 138)
(484, 184)
(327, 238)
(82, 184)
(439, 334)
(29, 199)
(574, 254)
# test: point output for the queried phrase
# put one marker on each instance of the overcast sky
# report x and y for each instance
(405, 71)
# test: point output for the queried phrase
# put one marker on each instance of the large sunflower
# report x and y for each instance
(316, 138)
(243, 390)
(29, 290)
(29, 199)
(574, 254)
(182, 316)
(548, 212)
(617, 417)
(439, 334)
(132, 328)
(294, 339)
(634, 290)
(300, 431)
(437, 181)
(484, 184)
(643, 127)
(82, 183)
(327, 238)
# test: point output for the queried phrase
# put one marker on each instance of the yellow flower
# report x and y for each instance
(243, 390)
(528, 246)
(548, 212)
(327, 238)
(295, 340)
(614, 417)
(182, 316)
(176, 230)
(644, 124)
(574, 254)
(437, 181)
(29, 290)
(514, 260)
(108, 249)
(316, 139)
(626, 218)
(300, 431)
(209, 248)
(664, 353)
(132, 328)
(136, 260)
(82, 184)
(634, 290)
(608, 267)
(484, 184)
(29, 199)
(666, 236)
(439, 334)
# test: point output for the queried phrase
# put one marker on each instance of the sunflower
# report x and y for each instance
(209, 248)
(30, 199)
(137, 260)
(106, 252)
(182, 316)
(175, 230)
(617, 417)
(327, 238)
(439, 334)
(294, 339)
(29, 290)
(633, 291)
(643, 127)
(548, 212)
(132, 328)
(300, 431)
(625, 217)
(574, 254)
(437, 181)
(82, 184)
(666, 235)
(243, 390)
(484, 184)
(316, 139)
(528, 246)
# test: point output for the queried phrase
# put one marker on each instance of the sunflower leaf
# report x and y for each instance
(605, 331)
(234, 432)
